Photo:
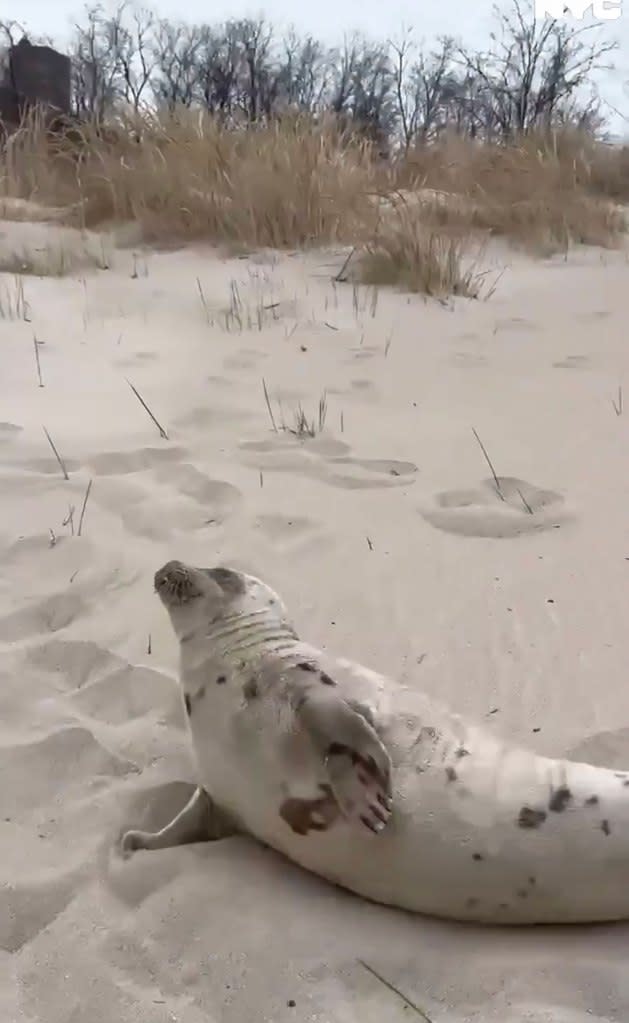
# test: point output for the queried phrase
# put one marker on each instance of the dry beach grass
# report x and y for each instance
(181, 176)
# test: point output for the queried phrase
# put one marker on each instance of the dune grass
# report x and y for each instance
(415, 223)
(60, 258)
(545, 194)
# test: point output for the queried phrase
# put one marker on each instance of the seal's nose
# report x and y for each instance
(166, 572)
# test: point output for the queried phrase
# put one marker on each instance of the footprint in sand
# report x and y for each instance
(122, 463)
(185, 496)
(468, 360)
(206, 417)
(40, 772)
(51, 614)
(605, 749)
(50, 466)
(482, 511)
(357, 389)
(9, 431)
(106, 687)
(136, 359)
(72, 662)
(362, 352)
(244, 358)
(290, 534)
(572, 362)
(327, 460)
(27, 908)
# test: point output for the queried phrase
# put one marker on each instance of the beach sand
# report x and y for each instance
(388, 545)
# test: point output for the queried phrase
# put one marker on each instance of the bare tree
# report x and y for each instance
(536, 69)
(175, 52)
(425, 88)
(96, 62)
(303, 73)
(219, 70)
(135, 52)
(363, 87)
(534, 74)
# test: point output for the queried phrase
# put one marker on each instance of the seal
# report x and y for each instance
(373, 785)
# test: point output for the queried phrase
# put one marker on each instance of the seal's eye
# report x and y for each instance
(231, 583)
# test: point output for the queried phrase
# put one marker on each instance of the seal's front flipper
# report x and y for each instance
(358, 765)
(199, 821)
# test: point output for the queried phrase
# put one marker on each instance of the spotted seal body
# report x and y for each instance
(373, 785)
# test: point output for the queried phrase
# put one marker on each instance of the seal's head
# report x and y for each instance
(196, 597)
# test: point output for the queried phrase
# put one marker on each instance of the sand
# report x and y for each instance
(389, 547)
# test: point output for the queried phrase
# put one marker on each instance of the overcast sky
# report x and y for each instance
(469, 20)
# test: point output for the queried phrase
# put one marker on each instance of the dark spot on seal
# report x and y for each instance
(591, 801)
(451, 774)
(620, 774)
(336, 749)
(250, 689)
(306, 666)
(522, 893)
(605, 828)
(462, 752)
(626, 782)
(532, 880)
(531, 818)
(477, 857)
(325, 678)
(304, 815)
(471, 902)
(188, 704)
(221, 680)
(560, 799)
(503, 905)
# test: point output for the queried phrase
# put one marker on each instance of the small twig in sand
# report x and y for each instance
(268, 405)
(56, 454)
(387, 345)
(159, 426)
(341, 276)
(261, 479)
(69, 519)
(87, 494)
(396, 991)
(330, 326)
(203, 302)
(369, 543)
(323, 410)
(618, 405)
(53, 538)
(488, 460)
(149, 648)
(525, 502)
(342, 422)
(36, 347)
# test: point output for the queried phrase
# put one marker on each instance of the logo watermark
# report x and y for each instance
(602, 10)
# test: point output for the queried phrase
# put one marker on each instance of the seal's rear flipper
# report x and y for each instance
(358, 765)
(199, 821)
